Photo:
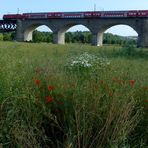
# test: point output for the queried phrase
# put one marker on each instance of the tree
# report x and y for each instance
(68, 37)
(37, 36)
(49, 38)
(72, 37)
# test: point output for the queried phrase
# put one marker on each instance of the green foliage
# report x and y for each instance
(42, 104)
(42, 36)
(1, 37)
(129, 50)
(86, 37)
(115, 39)
(78, 37)
(7, 37)
(74, 37)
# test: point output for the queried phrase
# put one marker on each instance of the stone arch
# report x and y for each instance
(123, 30)
(28, 31)
(126, 24)
(99, 35)
(60, 34)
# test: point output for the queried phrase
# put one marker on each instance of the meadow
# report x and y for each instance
(73, 96)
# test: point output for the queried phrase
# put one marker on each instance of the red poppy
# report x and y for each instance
(49, 99)
(132, 82)
(146, 101)
(50, 87)
(37, 82)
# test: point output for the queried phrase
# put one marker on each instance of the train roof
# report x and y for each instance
(82, 12)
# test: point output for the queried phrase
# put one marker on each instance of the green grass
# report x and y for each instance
(101, 106)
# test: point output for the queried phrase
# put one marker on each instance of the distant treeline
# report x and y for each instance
(72, 37)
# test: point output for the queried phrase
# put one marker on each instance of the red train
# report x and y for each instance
(88, 14)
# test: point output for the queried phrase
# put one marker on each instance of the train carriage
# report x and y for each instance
(73, 15)
(92, 14)
(35, 15)
(142, 13)
(54, 15)
(87, 14)
(132, 13)
(12, 16)
(115, 14)
(96, 14)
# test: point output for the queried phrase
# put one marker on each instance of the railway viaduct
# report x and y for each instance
(97, 27)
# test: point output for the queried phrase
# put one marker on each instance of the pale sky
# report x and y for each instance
(13, 6)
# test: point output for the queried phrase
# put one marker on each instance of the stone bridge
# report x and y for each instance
(97, 27)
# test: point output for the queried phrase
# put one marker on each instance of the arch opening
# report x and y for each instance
(38, 33)
(120, 34)
(74, 33)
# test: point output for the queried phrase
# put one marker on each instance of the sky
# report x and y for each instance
(23, 6)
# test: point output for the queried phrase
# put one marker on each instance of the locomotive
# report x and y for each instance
(87, 14)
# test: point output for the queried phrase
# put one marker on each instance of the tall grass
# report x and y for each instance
(46, 102)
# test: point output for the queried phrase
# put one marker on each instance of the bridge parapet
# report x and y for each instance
(7, 25)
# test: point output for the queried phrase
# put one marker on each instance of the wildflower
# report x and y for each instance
(96, 87)
(72, 85)
(37, 82)
(110, 94)
(135, 94)
(87, 60)
(117, 80)
(50, 87)
(146, 101)
(60, 102)
(38, 70)
(145, 88)
(49, 99)
(132, 82)
(101, 82)
(36, 99)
